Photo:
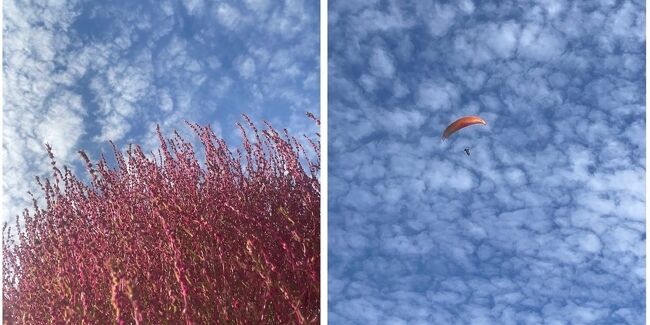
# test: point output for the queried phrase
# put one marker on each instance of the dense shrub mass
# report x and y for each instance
(167, 239)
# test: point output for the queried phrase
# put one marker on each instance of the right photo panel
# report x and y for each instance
(486, 162)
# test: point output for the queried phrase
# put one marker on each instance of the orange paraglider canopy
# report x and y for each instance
(460, 123)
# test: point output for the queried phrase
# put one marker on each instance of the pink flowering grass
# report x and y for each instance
(166, 239)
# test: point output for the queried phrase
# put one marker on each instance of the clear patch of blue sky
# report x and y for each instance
(80, 73)
(545, 221)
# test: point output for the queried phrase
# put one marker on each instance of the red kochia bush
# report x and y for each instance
(169, 240)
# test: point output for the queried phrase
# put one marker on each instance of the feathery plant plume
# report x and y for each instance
(171, 240)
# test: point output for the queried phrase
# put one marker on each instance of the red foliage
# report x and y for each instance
(234, 240)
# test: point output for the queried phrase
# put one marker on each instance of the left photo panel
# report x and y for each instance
(161, 162)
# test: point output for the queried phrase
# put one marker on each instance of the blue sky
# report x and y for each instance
(80, 73)
(544, 222)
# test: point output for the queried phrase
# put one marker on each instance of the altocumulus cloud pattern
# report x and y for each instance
(544, 222)
(80, 73)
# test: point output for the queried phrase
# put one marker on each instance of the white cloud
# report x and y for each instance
(368, 83)
(438, 17)
(213, 62)
(290, 20)
(63, 126)
(468, 51)
(539, 43)
(246, 67)
(114, 127)
(627, 21)
(165, 100)
(502, 39)
(371, 20)
(473, 79)
(402, 122)
(586, 241)
(118, 93)
(259, 6)
(400, 89)
(194, 6)
(467, 6)
(223, 85)
(435, 96)
(228, 16)
(414, 244)
(381, 64)
(553, 7)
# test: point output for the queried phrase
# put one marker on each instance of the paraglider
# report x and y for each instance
(460, 123)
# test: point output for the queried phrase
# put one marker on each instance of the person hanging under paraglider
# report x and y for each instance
(461, 123)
